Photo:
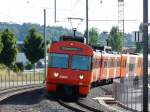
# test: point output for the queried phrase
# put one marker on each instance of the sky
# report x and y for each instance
(25, 11)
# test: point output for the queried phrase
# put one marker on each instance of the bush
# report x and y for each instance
(28, 66)
(20, 66)
(2, 66)
(17, 67)
(14, 68)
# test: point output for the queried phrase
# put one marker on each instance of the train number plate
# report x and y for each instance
(63, 77)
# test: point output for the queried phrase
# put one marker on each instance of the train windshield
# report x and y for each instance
(58, 60)
(81, 62)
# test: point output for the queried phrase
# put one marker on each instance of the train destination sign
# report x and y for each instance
(70, 48)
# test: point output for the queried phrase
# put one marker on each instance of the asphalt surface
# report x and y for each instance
(39, 101)
(36, 101)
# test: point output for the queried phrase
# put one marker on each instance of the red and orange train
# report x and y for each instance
(77, 65)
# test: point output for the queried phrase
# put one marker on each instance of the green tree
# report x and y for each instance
(102, 41)
(33, 46)
(1, 44)
(9, 51)
(115, 39)
(93, 36)
(138, 47)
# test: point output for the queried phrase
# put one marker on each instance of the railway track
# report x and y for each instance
(83, 105)
(53, 102)
(6, 93)
(77, 106)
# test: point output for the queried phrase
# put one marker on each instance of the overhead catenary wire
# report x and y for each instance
(98, 20)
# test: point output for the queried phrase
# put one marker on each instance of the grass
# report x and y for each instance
(3, 70)
(21, 76)
(12, 79)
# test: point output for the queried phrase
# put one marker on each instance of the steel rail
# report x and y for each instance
(78, 107)
(88, 107)
(4, 94)
(72, 106)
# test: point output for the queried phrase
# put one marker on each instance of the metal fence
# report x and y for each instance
(11, 79)
(129, 93)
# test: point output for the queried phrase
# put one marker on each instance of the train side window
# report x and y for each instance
(115, 63)
(108, 63)
(100, 63)
(131, 67)
(97, 63)
(111, 63)
(118, 63)
(105, 64)
(93, 62)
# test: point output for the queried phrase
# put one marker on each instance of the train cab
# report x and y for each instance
(69, 65)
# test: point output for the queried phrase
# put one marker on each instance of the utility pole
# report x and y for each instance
(145, 56)
(55, 10)
(45, 44)
(87, 23)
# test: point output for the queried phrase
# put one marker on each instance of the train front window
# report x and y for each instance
(81, 62)
(58, 60)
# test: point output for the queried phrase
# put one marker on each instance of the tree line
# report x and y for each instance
(114, 39)
(33, 46)
(21, 30)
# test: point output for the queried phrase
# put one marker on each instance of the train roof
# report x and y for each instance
(73, 47)
(72, 38)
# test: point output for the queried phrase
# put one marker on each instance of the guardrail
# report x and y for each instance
(129, 93)
(9, 80)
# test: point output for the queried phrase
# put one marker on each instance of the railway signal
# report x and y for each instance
(137, 36)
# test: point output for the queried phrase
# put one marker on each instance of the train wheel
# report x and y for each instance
(111, 81)
(103, 82)
(94, 84)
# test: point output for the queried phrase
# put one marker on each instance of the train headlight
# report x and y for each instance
(56, 74)
(81, 76)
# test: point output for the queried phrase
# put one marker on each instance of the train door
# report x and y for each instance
(117, 66)
(111, 68)
(123, 70)
(96, 67)
(131, 65)
(105, 65)
(139, 66)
